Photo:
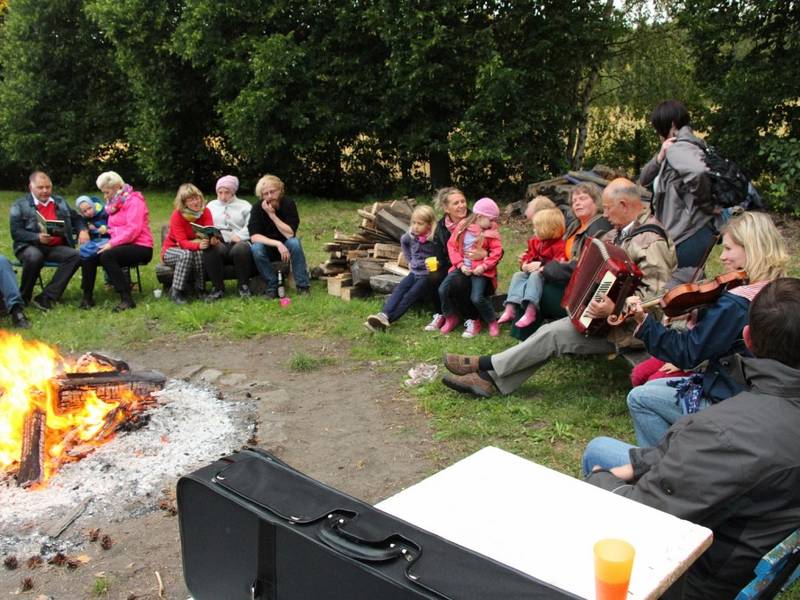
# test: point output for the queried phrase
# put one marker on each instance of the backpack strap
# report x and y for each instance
(649, 227)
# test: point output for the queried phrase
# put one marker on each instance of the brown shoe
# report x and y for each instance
(460, 364)
(472, 383)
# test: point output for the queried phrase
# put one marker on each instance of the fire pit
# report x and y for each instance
(141, 438)
(54, 411)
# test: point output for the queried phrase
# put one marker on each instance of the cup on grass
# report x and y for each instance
(432, 263)
(157, 292)
(613, 562)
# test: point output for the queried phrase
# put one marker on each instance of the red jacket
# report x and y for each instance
(544, 250)
(489, 240)
(181, 233)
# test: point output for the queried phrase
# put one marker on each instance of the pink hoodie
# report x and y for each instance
(129, 219)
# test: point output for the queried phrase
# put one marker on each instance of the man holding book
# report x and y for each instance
(43, 228)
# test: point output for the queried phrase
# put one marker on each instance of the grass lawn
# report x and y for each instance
(549, 420)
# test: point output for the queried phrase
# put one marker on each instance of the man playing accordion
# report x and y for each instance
(647, 247)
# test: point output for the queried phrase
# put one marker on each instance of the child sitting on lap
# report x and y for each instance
(479, 230)
(526, 285)
(417, 246)
(94, 213)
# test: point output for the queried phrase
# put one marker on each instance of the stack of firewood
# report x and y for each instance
(369, 260)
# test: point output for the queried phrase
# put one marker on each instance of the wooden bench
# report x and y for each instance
(54, 265)
(776, 571)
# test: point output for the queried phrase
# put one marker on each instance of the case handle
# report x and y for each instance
(332, 535)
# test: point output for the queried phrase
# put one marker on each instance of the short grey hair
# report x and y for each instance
(630, 192)
(109, 179)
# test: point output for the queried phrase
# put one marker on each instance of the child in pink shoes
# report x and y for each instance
(478, 230)
(526, 285)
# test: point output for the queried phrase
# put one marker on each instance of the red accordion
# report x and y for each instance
(602, 269)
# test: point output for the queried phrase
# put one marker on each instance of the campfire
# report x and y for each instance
(55, 410)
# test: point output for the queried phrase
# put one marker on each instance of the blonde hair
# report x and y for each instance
(425, 214)
(442, 198)
(549, 224)
(765, 250)
(539, 203)
(266, 179)
(186, 191)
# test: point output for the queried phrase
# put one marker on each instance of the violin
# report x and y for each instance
(686, 297)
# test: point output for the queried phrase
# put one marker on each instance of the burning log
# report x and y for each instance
(31, 466)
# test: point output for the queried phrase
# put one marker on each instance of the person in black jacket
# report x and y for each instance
(273, 233)
(33, 246)
(734, 467)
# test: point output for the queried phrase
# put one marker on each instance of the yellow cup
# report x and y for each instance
(432, 263)
(613, 562)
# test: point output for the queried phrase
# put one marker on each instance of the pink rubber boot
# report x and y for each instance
(508, 313)
(528, 318)
(450, 323)
(494, 328)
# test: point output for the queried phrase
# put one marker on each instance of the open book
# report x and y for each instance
(50, 227)
(208, 231)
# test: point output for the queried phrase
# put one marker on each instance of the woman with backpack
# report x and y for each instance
(682, 198)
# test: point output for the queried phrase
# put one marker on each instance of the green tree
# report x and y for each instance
(169, 117)
(746, 61)
(58, 84)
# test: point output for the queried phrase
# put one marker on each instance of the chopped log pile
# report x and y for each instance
(559, 188)
(369, 260)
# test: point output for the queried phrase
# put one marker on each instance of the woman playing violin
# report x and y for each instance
(750, 242)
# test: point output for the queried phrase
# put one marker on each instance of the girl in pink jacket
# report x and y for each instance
(477, 230)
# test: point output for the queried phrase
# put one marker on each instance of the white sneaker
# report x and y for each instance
(436, 323)
(473, 328)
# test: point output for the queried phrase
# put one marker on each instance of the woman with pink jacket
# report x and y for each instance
(131, 241)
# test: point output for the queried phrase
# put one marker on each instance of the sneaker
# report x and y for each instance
(244, 291)
(494, 328)
(125, 304)
(215, 295)
(177, 296)
(471, 383)
(450, 323)
(436, 323)
(379, 322)
(42, 302)
(303, 291)
(271, 294)
(18, 318)
(473, 328)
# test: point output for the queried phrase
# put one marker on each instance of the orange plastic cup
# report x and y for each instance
(613, 562)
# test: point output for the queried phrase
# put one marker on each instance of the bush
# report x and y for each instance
(782, 191)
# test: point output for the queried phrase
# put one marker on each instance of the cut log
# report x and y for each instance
(401, 260)
(335, 284)
(364, 268)
(390, 251)
(396, 269)
(384, 283)
(330, 270)
(348, 293)
(354, 254)
(391, 225)
(366, 214)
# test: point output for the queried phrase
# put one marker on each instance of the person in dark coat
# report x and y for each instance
(33, 246)
(734, 467)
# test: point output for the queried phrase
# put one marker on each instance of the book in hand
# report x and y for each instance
(50, 227)
(208, 231)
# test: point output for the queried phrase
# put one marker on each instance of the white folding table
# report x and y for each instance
(545, 523)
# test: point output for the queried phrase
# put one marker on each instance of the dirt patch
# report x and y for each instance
(347, 423)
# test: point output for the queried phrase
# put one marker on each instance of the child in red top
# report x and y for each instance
(477, 230)
(183, 248)
(526, 285)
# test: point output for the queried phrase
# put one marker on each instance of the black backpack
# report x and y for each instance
(729, 186)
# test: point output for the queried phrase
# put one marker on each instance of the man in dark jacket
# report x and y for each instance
(33, 245)
(734, 467)
(273, 234)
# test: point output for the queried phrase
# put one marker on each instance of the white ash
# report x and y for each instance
(189, 427)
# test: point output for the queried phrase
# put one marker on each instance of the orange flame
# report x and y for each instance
(27, 369)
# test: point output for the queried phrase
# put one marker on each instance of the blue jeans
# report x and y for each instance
(606, 453)
(477, 296)
(525, 287)
(261, 256)
(8, 284)
(691, 251)
(654, 408)
(409, 291)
